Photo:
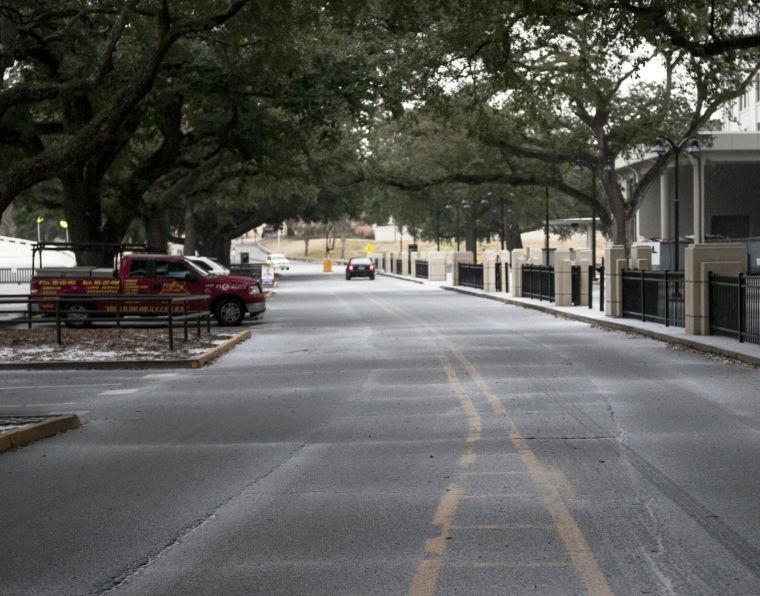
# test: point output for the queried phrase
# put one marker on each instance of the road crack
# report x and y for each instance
(140, 565)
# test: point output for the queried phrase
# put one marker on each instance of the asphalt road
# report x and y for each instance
(383, 437)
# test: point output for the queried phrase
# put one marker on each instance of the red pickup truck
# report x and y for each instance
(152, 275)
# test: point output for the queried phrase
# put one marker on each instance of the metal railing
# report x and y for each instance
(471, 275)
(575, 285)
(81, 310)
(734, 309)
(497, 281)
(654, 296)
(421, 269)
(399, 266)
(538, 282)
(22, 275)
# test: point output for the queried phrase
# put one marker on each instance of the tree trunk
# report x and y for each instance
(306, 246)
(190, 236)
(343, 244)
(81, 207)
(513, 238)
(156, 230)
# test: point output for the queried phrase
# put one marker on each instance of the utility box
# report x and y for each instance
(327, 266)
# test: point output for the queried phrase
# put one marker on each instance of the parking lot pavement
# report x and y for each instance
(385, 437)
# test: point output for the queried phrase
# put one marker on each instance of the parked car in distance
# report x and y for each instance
(360, 267)
(209, 265)
(278, 262)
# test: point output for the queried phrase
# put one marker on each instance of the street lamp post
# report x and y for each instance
(455, 207)
(593, 167)
(546, 232)
(39, 219)
(661, 149)
(65, 225)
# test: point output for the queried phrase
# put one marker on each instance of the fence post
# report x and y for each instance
(171, 326)
(740, 306)
(643, 298)
(590, 286)
(667, 301)
(58, 322)
(184, 317)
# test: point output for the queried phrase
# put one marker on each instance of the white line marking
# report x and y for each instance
(59, 386)
(120, 391)
(159, 375)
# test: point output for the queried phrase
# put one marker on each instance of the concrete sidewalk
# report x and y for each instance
(713, 344)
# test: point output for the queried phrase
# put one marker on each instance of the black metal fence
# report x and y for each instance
(538, 282)
(399, 266)
(656, 296)
(471, 275)
(22, 275)
(601, 288)
(81, 310)
(421, 269)
(575, 284)
(734, 309)
(498, 276)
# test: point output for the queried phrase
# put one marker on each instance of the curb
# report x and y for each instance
(403, 277)
(197, 362)
(48, 427)
(650, 333)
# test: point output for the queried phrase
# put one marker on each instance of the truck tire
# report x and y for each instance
(229, 312)
(78, 315)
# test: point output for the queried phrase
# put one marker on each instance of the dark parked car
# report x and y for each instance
(360, 267)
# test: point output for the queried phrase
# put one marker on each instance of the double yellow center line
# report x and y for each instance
(426, 577)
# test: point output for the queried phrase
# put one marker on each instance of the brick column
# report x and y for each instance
(614, 263)
(641, 257)
(563, 288)
(436, 266)
(505, 258)
(585, 280)
(489, 271)
(699, 261)
(518, 258)
(463, 256)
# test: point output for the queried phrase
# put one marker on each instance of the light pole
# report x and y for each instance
(546, 232)
(65, 225)
(660, 149)
(593, 167)
(455, 207)
(39, 219)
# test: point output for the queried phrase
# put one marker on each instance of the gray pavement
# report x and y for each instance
(387, 437)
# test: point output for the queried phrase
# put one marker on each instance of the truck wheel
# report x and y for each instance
(229, 311)
(78, 315)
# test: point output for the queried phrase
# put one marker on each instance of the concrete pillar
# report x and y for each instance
(489, 271)
(413, 264)
(519, 257)
(404, 264)
(563, 289)
(436, 266)
(581, 254)
(462, 256)
(584, 265)
(504, 264)
(699, 261)
(641, 257)
(665, 205)
(614, 263)
(698, 198)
